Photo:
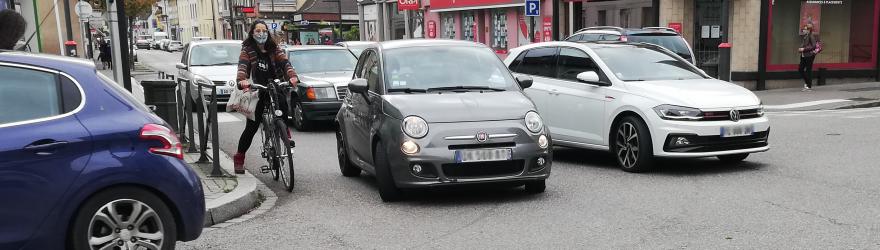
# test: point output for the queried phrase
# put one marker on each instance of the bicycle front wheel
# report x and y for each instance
(269, 151)
(284, 154)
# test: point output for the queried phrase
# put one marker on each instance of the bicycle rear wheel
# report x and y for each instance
(284, 154)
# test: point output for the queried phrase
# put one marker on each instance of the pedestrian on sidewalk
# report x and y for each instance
(12, 27)
(106, 59)
(810, 47)
(261, 61)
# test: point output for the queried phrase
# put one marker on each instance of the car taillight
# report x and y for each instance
(623, 38)
(170, 143)
(310, 93)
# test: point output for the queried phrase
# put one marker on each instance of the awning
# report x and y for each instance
(479, 7)
(456, 5)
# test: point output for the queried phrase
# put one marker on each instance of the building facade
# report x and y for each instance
(764, 37)
(500, 24)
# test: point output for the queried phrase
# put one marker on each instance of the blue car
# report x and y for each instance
(83, 165)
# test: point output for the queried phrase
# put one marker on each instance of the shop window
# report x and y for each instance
(448, 27)
(847, 29)
(499, 29)
(467, 26)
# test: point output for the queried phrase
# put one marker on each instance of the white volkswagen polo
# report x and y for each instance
(639, 101)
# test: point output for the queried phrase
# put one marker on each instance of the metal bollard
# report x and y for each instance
(161, 75)
(189, 119)
(203, 142)
(215, 140)
(181, 117)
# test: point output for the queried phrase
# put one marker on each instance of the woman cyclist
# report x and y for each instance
(261, 61)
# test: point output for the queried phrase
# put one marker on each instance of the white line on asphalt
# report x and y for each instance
(858, 117)
(804, 104)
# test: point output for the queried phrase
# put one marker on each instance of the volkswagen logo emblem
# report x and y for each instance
(734, 115)
(482, 136)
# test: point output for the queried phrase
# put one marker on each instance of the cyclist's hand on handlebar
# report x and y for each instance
(244, 85)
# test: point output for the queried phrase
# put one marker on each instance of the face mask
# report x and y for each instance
(261, 37)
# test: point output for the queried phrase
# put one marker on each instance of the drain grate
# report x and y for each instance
(861, 89)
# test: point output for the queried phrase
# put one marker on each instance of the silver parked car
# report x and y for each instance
(452, 115)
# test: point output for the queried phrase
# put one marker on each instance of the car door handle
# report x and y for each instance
(45, 147)
(554, 92)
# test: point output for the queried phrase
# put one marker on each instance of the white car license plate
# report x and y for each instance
(735, 131)
(477, 155)
(224, 91)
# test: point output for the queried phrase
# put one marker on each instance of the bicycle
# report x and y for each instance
(277, 145)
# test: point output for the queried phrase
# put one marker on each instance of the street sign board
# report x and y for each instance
(304, 22)
(533, 8)
(274, 26)
(407, 5)
(83, 9)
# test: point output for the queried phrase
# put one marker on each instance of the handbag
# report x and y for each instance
(243, 102)
(818, 48)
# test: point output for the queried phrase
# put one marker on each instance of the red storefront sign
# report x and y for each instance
(548, 29)
(407, 5)
(432, 29)
(247, 9)
(446, 4)
(675, 26)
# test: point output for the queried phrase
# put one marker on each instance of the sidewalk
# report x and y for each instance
(838, 96)
(227, 197)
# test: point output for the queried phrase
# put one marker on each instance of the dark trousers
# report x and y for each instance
(251, 127)
(806, 70)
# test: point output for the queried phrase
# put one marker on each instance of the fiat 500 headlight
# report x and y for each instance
(415, 127)
(534, 122)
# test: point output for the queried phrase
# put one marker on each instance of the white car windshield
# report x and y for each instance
(324, 60)
(215, 54)
(640, 63)
(427, 68)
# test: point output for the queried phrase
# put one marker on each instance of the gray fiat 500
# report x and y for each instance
(425, 113)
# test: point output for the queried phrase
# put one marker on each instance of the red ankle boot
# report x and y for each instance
(238, 161)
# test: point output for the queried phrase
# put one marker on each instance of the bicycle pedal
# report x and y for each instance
(265, 169)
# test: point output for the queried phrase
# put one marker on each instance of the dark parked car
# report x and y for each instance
(452, 115)
(667, 38)
(83, 165)
(324, 73)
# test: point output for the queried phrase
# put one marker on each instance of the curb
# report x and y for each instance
(870, 104)
(240, 201)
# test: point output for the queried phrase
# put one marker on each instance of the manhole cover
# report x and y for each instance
(861, 89)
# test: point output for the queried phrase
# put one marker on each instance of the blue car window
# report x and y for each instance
(27, 94)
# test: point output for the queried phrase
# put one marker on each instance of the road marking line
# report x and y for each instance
(804, 104)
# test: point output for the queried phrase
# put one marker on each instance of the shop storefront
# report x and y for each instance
(848, 30)
(763, 37)
(500, 24)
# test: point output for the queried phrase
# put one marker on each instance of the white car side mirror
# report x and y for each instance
(588, 77)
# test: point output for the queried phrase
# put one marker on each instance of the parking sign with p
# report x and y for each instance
(533, 8)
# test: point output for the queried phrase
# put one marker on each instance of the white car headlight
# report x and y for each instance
(415, 127)
(534, 122)
(201, 80)
(672, 112)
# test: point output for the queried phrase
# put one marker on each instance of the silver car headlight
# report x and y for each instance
(678, 113)
(415, 127)
(534, 122)
(316, 93)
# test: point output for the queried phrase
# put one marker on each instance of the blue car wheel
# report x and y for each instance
(125, 217)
